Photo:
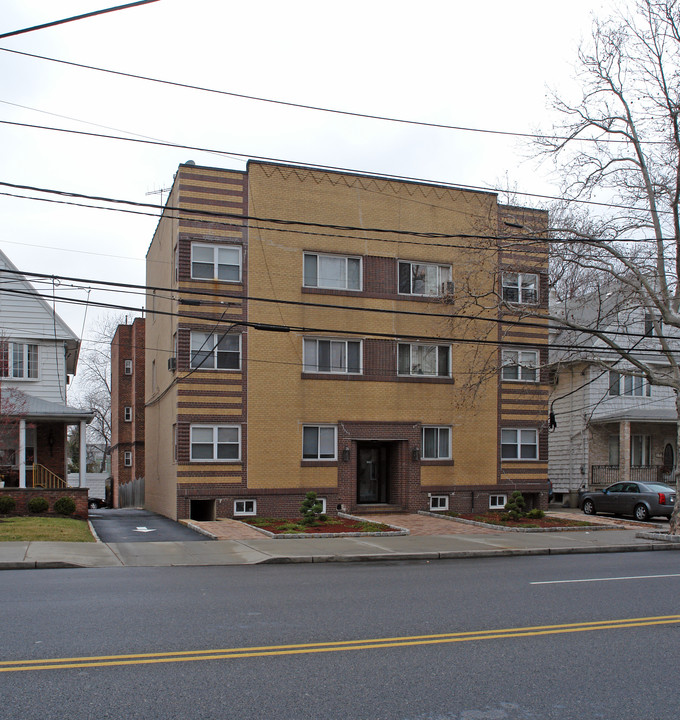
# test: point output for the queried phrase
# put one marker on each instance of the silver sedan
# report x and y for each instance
(641, 500)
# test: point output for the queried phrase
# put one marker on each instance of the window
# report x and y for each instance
(614, 383)
(332, 356)
(319, 442)
(436, 443)
(127, 458)
(424, 360)
(636, 386)
(520, 365)
(211, 351)
(640, 450)
(613, 449)
(128, 367)
(497, 502)
(332, 271)
(216, 262)
(649, 324)
(322, 502)
(439, 502)
(424, 279)
(245, 507)
(520, 288)
(519, 444)
(128, 414)
(215, 443)
(19, 361)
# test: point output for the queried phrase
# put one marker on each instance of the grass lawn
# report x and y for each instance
(24, 529)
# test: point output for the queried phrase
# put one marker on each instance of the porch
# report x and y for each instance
(33, 445)
(603, 475)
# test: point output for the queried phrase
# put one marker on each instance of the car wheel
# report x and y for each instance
(589, 507)
(641, 513)
(92, 505)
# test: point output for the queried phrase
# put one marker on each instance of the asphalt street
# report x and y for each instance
(568, 637)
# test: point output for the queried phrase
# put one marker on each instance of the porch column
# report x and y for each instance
(22, 453)
(624, 451)
(82, 463)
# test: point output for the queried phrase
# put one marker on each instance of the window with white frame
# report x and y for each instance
(520, 365)
(640, 450)
(127, 458)
(128, 367)
(211, 351)
(335, 272)
(497, 502)
(215, 443)
(436, 443)
(18, 361)
(520, 288)
(216, 262)
(439, 502)
(319, 442)
(519, 444)
(614, 383)
(245, 507)
(331, 356)
(417, 359)
(636, 386)
(322, 502)
(127, 414)
(424, 279)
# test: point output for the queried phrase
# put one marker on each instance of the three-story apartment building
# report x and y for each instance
(362, 337)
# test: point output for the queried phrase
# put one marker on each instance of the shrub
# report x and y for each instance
(65, 506)
(535, 514)
(7, 505)
(38, 505)
(311, 510)
(515, 506)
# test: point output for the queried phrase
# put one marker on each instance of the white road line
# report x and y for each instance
(604, 579)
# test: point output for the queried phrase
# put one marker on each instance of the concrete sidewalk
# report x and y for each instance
(258, 550)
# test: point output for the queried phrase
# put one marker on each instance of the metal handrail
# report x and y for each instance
(43, 477)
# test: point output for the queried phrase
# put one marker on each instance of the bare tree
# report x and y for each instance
(619, 148)
(93, 383)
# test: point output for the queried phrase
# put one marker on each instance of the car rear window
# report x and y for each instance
(658, 487)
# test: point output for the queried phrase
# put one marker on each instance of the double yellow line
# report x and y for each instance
(306, 648)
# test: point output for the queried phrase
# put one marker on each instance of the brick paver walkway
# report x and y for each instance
(230, 529)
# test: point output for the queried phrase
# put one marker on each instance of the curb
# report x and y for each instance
(465, 554)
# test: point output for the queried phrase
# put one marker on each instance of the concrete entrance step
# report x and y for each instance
(375, 508)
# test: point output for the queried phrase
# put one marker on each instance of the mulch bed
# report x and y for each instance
(492, 518)
(283, 526)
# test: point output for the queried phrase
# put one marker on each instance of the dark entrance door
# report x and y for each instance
(372, 473)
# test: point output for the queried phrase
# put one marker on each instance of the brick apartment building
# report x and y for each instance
(127, 404)
(362, 337)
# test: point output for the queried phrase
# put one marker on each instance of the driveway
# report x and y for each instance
(134, 525)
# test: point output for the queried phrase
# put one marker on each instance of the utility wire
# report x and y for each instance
(75, 17)
(317, 108)
(270, 327)
(313, 166)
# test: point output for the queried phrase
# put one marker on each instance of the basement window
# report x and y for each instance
(497, 502)
(439, 502)
(245, 507)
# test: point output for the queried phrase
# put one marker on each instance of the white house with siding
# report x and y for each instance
(610, 422)
(38, 356)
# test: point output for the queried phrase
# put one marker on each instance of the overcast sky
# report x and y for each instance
(484, 65)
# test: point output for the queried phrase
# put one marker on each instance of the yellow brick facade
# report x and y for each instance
(275, 215)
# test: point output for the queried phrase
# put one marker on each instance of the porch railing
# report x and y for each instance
(45, 478)
(603, 475)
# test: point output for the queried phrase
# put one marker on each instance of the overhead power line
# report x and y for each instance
(523, 323)
(316, 166)
(75, 17)
(318, 108)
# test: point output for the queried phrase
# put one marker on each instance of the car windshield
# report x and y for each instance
(659, 487)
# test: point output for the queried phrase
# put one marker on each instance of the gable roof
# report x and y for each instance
(46, 322)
